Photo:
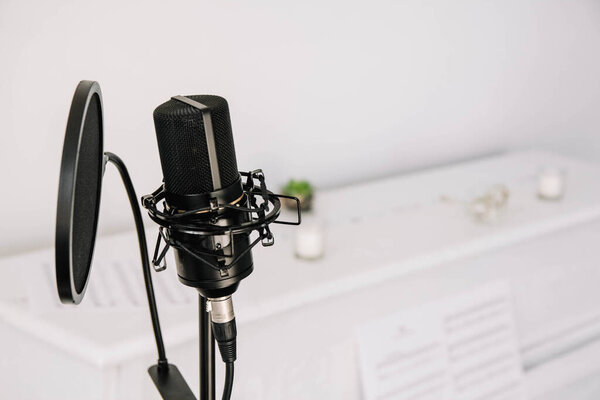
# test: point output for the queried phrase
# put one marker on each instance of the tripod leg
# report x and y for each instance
(207, 353)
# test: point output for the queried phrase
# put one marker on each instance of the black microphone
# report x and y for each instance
(209, 209)
(199, 165)
(197, 155)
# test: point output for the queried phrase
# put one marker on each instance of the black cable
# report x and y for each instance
(139, 226)
(228, 381)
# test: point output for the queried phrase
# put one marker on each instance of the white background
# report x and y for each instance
(332, 91)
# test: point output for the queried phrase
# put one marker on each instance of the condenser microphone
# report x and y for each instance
(199, 165)
(207, 209)
(197, 154)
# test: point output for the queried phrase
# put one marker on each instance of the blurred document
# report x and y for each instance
(462, 348)
(116, 283)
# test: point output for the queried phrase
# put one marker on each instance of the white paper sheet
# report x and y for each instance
(461, 348)
(116, 284)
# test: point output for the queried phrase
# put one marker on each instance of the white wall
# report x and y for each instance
(335, 91)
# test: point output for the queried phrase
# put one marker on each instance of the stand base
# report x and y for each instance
(170, 383)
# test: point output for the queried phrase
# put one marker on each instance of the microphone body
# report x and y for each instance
(199, 164)
(208, 213)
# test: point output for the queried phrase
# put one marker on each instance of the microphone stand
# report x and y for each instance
(206, 345)
(167, 378)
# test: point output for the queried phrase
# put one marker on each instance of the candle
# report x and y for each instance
(310, 241)
(551, 184)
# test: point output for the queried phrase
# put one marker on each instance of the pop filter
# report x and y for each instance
(79, 192)
(79, 187)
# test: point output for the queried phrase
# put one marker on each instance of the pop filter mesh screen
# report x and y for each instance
(182, 145)
(87, 193)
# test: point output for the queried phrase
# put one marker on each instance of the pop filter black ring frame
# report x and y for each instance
(82, 98)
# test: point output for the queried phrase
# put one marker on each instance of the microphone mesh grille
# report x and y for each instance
(182, 145)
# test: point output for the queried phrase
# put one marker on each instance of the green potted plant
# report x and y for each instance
(301, 189)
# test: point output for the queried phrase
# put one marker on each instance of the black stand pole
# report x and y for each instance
(207, 353)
